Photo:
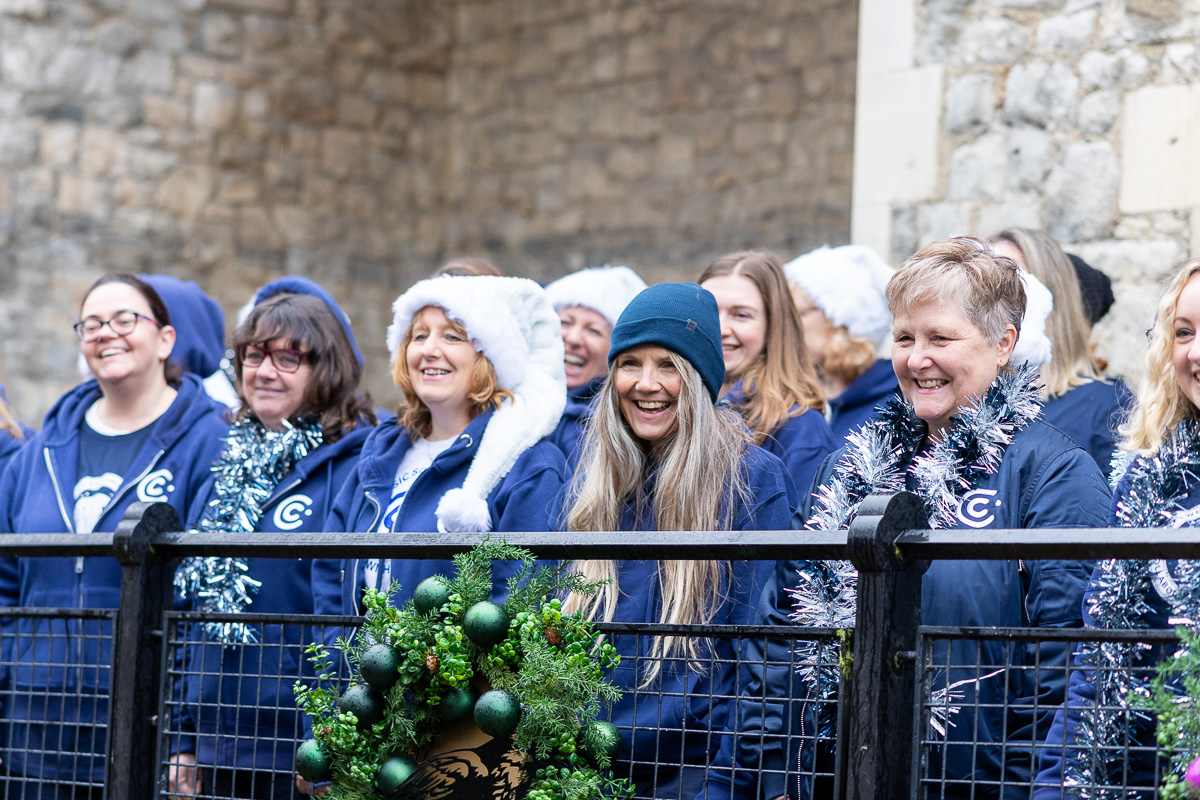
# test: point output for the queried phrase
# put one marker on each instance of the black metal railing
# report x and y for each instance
(884, 706)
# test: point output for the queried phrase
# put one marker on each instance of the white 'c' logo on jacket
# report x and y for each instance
(975, 510)
(290, 513)
(155, 486)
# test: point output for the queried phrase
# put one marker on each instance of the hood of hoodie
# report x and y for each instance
(298, 284)
(198, 320)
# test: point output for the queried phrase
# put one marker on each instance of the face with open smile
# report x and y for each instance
(271, 393)
(114, 358)
(743, 322)
(440, 360)
(648, 384)
(942, 360)
(586, 336)
(1186, 349)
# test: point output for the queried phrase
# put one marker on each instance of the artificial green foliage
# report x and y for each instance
(1172, 698)
(549, 661)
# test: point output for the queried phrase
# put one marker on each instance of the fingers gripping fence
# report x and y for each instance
(903, 708)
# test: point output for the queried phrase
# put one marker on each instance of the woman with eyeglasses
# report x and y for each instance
(302, 425)
(139, 431)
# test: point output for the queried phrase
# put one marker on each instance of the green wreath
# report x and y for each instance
(415, 666)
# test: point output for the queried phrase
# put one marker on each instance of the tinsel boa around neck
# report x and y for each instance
(1120, 597)
(253, 463)
(875, 460)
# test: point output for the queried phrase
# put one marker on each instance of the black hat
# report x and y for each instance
(1096, 288)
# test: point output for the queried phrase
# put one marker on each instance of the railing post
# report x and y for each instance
(137, 652)
(875, 758)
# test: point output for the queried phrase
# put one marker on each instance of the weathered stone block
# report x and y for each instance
(1081, 192)
(1041, 94)
(1098, 112)
(1066, 33)
(84, 72)
(59, 145)
(937, 221)
(186, 190)
(901, 165)
(970, 103)
(1099, 70)
(79, 195)
(1022, 211)
(214, 107)
(979, 169)
(220, 35)
(1160, 149)
(993, 41)
(19, 144)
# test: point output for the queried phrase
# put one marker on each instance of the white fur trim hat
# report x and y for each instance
(510, 321)
(605, 290)
(1033, 346)
(847, 283)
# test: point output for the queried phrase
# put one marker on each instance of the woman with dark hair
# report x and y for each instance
(769, 376)
(302, 424)
(139, 431)
(1080, 401)
(661, 455)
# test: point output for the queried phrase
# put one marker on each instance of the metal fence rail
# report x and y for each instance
(882, 715)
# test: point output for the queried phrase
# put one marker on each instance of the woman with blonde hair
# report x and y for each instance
(839, 296)
(1099, 737)
(1080, 401)
(661, 455)
(769, 376)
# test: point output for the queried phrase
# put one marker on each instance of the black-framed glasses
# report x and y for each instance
(284, 359)
(122, 324)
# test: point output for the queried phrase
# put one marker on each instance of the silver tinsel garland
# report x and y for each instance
(875, 460)
(1119, 599)
(254, 461)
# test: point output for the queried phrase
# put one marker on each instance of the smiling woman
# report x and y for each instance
(139, 431)
(660, 455)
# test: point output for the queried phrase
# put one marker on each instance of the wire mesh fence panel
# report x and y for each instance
(725, 710)
(54, 697)
(1014, 712)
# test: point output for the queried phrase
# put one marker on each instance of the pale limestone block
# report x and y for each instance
(34, 9)
(186, 190)
(979, 169)
(1133, 261)
(1160, 149)
(100, 150)
(1028, 159)
(1098, 112)
(938, 221)
(80, 195)
(1020, 211)
(60, 142)
(886, 36)
(1099, 70)
(994, 41)
(1081, 192)
(1179, 62)
(1194, 233)
(214, 107)
(970, 103)
(896, 130)
(871, 225)
(1066, 33)
(1041, 94)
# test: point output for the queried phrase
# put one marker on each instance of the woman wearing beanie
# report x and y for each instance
(839, 298)
(1080, 401)
(139, 431)
(479, 360)
(660, 455)
(769, 376)
(302, 424)
(588, 304)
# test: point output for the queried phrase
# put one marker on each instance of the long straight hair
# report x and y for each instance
(1072, 362)
(699, 485)
(782, 381)
(1161, 404)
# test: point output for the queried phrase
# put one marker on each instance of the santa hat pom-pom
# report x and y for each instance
(459, 511)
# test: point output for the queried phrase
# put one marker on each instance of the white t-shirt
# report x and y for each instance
(415, 461)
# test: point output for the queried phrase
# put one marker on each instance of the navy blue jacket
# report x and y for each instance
(1089, 414)
(240, 699)
(36, 490)
(857, 404)
(1139, 768)
(523, 501)
(678, 721)
(569, 434)
(9, 445)
(1045, 481)
(801, 442)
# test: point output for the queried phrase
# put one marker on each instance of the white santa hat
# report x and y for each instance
(847, 283)
(511, 322)
(1033, 346)
(605, 290)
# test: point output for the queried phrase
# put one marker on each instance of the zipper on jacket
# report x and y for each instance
(280, 493)
(62, 508)
(1021, 572)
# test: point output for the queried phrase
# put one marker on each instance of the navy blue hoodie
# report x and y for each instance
(1089, 414)
(524, 500)
(1045, 481)
(240, 699)
(856, 405)
(172, 467)
(9, 445)
(681, 719)
(568, 436)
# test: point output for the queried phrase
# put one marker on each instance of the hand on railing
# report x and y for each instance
(183, 779)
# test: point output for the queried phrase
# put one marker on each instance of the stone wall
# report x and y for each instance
(363, 142)
(1080, 117)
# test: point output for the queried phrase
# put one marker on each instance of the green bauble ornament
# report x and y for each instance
(365, 703)
(393, 774)
(598, 738)
(458, 704)
(379, 666)
(312, 763)
(497, 713)
(485, 624)
(431, 594)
